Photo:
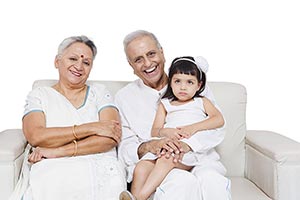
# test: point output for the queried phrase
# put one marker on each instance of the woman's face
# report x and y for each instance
(75, 64)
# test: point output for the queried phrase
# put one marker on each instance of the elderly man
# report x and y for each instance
(138, 102)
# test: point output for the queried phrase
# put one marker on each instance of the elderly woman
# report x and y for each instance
(75, 129)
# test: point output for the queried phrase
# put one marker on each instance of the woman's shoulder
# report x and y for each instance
(42, 90)
(98, 91)
(97, 86)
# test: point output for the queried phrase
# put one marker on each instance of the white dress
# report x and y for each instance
(186, 114)
(137, 104)
(89, 177)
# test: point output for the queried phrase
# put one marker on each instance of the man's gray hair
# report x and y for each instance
(136, 34)
(71, 40)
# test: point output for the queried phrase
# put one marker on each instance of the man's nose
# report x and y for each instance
(147, 62)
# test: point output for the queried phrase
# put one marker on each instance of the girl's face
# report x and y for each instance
(184, 86)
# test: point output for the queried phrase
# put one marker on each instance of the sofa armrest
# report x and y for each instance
(12, 145)
(273, 164)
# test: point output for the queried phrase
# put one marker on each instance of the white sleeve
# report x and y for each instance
(203, 141)
(33, 102)
(127, 154)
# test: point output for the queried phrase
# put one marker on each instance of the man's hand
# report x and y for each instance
(157, 145)
(177, 156)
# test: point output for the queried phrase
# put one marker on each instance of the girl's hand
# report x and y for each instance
(171, 133)
(186, 131)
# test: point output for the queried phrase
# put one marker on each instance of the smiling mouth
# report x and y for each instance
(76, 73)
(150, 70)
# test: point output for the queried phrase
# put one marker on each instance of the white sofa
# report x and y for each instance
(261, 164)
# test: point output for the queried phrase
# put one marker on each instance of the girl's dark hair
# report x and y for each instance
(185, 65)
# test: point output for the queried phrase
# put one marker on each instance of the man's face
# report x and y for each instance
(147, 60)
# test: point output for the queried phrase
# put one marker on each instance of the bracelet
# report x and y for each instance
(74, 133)
(75, 148)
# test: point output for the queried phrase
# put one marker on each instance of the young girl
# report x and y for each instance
(179, 117)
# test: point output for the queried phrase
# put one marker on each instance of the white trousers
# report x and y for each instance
(201, 184)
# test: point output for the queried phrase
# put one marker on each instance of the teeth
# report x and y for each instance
(150, 70)
(76, 74)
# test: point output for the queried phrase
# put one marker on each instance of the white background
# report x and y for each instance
(255, 43)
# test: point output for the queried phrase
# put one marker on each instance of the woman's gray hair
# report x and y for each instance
(136, 34)
(82, 39)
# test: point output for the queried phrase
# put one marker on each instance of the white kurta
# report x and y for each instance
(89, 177)
(137, 104)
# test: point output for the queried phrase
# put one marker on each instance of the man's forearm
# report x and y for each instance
(146, 147)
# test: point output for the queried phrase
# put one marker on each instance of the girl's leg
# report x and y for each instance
(140, 174)
(162, 167)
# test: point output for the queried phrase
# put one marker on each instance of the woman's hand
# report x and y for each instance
(40, 153)
(108, 128)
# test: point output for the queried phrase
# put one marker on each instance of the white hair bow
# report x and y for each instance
(202, 63)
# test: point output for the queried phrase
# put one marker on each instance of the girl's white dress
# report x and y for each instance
(202, 153)
(90, 177)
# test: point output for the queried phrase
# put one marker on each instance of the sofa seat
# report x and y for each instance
(243, 189)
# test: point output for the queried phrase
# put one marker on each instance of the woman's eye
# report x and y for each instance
(87, 63)
(73, 59)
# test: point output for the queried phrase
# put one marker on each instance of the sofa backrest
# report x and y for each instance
(232, 99)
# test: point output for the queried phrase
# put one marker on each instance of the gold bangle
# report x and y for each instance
(75, 148)
(74, 133)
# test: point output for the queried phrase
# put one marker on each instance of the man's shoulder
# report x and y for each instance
(129, 88)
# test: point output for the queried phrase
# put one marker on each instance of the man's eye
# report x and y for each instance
(138, 60)
(152, 54)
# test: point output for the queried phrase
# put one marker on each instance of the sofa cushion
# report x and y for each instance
(232, 99)
(243, 189)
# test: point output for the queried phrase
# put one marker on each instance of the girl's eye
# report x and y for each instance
(190, 82)
(177, 81)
